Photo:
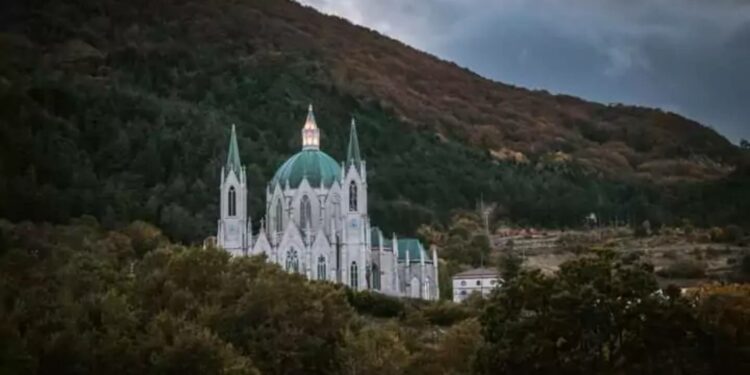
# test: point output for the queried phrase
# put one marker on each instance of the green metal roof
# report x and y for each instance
(414, 247)
(352, 152)
(233, 156)
(315, 165)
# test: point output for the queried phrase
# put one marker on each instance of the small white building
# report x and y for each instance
(480, 280)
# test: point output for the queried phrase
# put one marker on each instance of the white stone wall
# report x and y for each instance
(464, 287)
(232, 234)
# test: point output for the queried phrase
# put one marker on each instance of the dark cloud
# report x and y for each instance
(688, 56)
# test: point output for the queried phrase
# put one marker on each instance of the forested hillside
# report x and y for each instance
(121, 109)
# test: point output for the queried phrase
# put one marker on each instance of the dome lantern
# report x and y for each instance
(310, 132)
(311, 164)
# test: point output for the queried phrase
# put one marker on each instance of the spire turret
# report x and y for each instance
(310, 131)
(233, 156)
(352, 152)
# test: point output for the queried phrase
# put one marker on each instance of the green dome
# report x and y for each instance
(315, 165)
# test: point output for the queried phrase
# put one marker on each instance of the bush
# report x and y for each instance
(728, 234)
(376, 304)
(684, 269)
(745, 266)
(445, 313)
(733, 233)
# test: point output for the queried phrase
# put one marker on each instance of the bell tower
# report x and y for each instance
(356, 226)
(233, 234)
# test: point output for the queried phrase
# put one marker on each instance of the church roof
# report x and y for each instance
(413, 246)
(477, 273)
(316, 166)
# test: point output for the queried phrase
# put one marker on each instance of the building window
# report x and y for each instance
(292, 261)
(232, 201)
(321, 268)
(463, 292)
(353, 276)
(305, 213)
(375, 277)
(279, 216)
(493, 282)
(352, 196)
(463, 282)
(479, 282)
(427, 291)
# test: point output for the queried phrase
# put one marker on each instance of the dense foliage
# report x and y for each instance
(601, 316)
(121, 110)
(79, 299)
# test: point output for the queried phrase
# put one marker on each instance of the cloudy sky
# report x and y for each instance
(686, 56)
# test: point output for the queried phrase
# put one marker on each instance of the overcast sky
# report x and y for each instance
(686, 56)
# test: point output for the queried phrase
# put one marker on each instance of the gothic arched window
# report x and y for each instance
(353, 276)
(375, 277)
(232, 201)
(279, 216)
(353, 196)
(292, 261)
(305, 213)
(427, 291)
(321, 268)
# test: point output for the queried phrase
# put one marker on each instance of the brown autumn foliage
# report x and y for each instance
(431, 93)
(440, 96)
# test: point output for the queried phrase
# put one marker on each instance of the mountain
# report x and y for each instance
(424, 91)
(121, 109)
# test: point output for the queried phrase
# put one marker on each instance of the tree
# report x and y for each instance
(175, 346)
(595, 316)
(744, 144)
(724, 311)
(509, 264)
(374, 350)
(453, 353)
(144, 237)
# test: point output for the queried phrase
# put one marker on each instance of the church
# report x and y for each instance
(317, 223)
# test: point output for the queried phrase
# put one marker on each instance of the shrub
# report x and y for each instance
(716, 234)
(375, 304)
(728, 234)
(745, 266)
(445, 313)
(684, 269)
(733, 233)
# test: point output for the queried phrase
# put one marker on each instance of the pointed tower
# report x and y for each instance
(233, 155)
(354, 194)
(232, 233)
(352, 151)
